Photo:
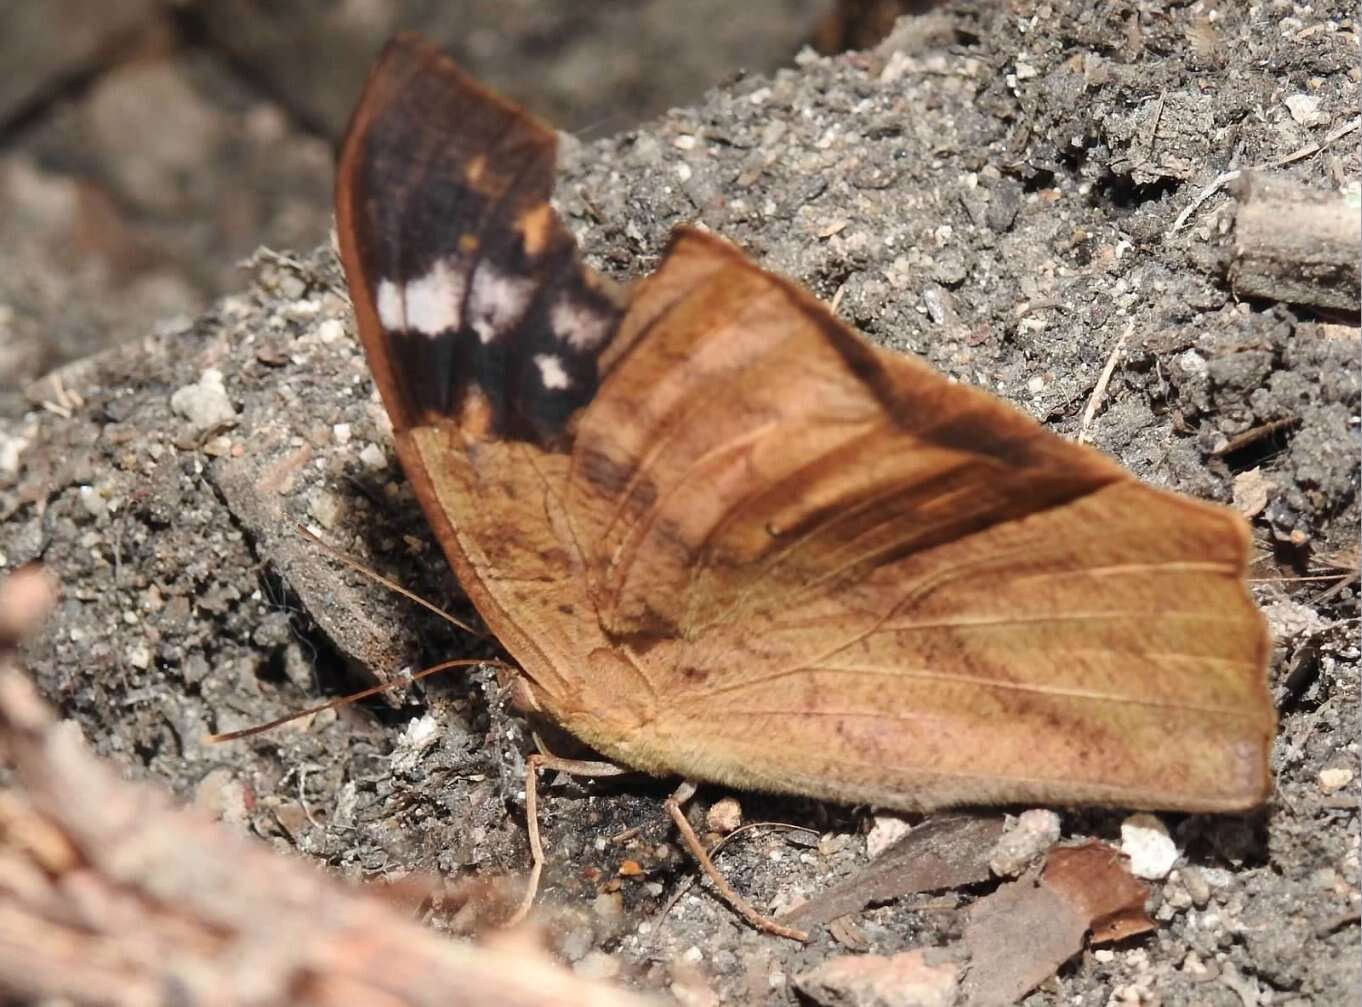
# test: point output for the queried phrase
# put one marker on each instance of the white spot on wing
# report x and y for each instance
(497, 301)
(391, 314)
(577, 325)
(551, 371)
(433, 300)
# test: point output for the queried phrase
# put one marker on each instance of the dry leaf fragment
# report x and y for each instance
(1022, 933)
(1095, 881)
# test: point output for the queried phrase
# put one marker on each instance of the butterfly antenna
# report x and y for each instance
(391, 585)
(373, 690)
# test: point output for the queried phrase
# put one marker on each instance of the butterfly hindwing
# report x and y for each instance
(844, 571)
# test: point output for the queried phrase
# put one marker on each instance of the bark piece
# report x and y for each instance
(940, 853)
(1295, 244)
(109, 895)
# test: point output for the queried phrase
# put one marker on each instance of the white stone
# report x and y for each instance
(330, 330)
(1151, 851)
(204, 404)
(884, 833)
(373, 457)
(414, 742)
(1335, 778)
(326, 508)
(11, 447)
(1033, 833)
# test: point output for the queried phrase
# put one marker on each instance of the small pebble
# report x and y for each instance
(1151, 851)
(884, 833)
(373, 457)
(291, 286)
(1335, 779)
(326, 508)
(1033, 833)
(414, 742)
(204, 404)
(1197, 886)
(724, 816)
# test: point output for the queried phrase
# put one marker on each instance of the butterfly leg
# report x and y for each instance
(533, 764)
(744, 908)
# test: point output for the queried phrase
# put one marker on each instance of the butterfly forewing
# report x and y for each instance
(470, 299)
(482, 332)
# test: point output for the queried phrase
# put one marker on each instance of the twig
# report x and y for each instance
(1099, 392)
(165, 899)
(1314, 148)
(837, 298)
(1251, 436)
(1154, 133)
(1217, 183)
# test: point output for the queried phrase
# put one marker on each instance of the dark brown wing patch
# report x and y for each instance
(468, 290)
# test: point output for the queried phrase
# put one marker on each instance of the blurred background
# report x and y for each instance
(148, 146)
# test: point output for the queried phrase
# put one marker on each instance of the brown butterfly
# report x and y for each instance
(726, 538)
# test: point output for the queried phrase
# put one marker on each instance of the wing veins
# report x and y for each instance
(620, 568)
(1005, 686)
(817, 585)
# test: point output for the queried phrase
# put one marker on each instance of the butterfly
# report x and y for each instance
(726, 538)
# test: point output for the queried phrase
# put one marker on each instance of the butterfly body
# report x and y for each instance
(725, 538)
